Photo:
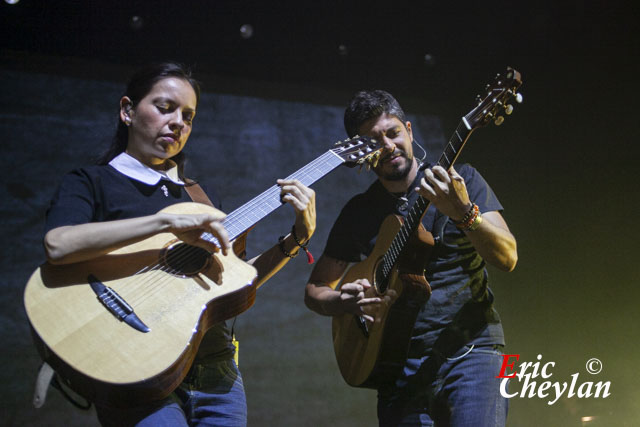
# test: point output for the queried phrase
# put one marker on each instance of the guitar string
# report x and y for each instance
(275, 189)
(308, 175)
(311, 171)
(154, 281)
(414, 215)
(169, 278)
(401, 238)
(179, 255)
(314, 173)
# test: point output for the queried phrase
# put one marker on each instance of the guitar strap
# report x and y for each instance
(45, 374)
(196, 193)
(437, 230)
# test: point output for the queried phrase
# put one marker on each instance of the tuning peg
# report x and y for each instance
(499, 120)
(516, 95)
(375, 158)
(508, 109)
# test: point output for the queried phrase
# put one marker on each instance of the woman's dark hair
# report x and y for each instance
(368, 104)
(139, 86)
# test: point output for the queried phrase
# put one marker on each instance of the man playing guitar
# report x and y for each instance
(449, 374)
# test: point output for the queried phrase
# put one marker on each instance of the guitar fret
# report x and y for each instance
(457, 133)
(405, 235)
(444, 155)
(243, 218)
(420, 206)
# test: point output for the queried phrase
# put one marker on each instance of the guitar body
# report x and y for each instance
(370, 355)
(111, 362)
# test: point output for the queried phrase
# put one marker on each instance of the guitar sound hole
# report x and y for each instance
(186, 260)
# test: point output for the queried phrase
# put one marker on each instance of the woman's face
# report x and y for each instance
(160, 124)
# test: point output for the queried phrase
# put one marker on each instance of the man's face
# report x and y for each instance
(397, 153)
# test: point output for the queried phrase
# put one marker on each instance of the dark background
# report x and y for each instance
(561, 165)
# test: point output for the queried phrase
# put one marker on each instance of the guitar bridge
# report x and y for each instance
(116, 304)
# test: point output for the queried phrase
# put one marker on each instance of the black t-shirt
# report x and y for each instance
(101, 193)
(460, 308)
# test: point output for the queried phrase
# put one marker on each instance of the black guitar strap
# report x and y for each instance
(437, 230)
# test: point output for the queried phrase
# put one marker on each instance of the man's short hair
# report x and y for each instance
(368, 104)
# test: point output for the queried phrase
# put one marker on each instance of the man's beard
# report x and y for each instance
(397, 174)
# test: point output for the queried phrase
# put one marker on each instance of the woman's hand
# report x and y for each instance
(303, 200)
(189, 229)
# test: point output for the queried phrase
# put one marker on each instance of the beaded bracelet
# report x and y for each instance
(467, 216)
(310, 259)
(284, 251)
(475, 224)
(471, 220)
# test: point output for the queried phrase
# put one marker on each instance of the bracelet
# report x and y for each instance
(471, 220)
(470, 213)
(475, 224)
(284, 251)
(310, 259)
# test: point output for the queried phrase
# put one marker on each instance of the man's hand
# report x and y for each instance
(361, 299)
(446, 190)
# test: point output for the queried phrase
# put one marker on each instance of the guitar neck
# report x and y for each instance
(448, 157)
(455, 145)
(249, 214)
(414, 217)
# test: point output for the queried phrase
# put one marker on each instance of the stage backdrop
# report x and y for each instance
(239, 146)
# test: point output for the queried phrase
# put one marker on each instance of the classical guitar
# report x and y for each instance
(124, 328)
(372, 354)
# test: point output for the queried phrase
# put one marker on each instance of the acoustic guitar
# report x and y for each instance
(372, 354)
(123, 329)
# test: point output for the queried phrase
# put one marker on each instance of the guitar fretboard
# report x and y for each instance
(412, 221)
(247, 215)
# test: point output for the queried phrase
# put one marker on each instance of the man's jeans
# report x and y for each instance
(462, 391)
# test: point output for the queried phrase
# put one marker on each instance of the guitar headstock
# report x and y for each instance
(496, 100)
(358, 151)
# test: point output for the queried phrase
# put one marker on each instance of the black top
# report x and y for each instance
(460, 309)
(101, 193)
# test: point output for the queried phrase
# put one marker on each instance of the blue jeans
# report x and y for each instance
(212, 394)
(462, 390)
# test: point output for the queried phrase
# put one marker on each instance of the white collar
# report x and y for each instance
(133, 168)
